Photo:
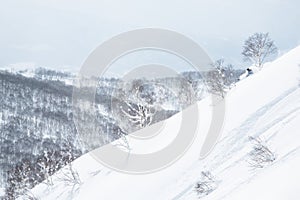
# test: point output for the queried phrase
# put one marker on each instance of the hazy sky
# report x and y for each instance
(62, 33)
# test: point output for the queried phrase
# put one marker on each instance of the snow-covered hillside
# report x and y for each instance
(264, 105)
(64, 74)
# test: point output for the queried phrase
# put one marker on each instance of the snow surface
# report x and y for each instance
(265, 104)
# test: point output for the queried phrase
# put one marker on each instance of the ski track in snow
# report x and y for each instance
(232, 144)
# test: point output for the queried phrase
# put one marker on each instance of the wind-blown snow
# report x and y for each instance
(265, 104)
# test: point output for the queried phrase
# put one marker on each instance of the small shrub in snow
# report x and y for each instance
(260, 155)
(70, 176)
(206, 184)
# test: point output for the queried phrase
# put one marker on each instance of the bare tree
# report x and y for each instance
(215, 79)
(257, 48)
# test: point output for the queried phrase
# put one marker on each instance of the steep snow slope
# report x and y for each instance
(265, 104)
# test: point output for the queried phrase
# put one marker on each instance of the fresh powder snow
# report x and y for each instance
(264, 105)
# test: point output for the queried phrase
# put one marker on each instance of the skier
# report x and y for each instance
(249, 72)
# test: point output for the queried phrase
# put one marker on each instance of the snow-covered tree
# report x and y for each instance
(257, 48)
(215, 79)
(138, 114)
(215, 83)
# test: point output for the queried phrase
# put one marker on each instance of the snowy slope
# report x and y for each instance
(265, 104)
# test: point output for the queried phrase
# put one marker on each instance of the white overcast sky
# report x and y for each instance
(59, 33)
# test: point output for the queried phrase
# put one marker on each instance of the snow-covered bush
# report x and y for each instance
(206, 184)
(260, 155)
(70, 176)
